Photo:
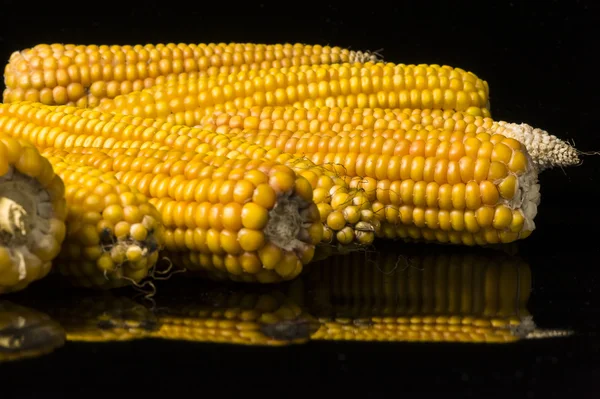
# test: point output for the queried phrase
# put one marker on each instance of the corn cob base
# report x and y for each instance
(32, 214)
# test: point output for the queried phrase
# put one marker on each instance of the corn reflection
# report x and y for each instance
(259, 316)
(25, 332)
(422, 294)
(411, 293)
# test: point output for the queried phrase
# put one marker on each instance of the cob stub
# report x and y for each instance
(32, 214)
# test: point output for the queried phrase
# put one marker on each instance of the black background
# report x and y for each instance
(539, 58)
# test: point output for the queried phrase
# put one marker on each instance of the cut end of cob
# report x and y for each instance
(31, 226)
(286, 223)
(527, 197)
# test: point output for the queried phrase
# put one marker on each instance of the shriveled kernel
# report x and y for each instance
(345, 236)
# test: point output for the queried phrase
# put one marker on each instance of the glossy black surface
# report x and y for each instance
(538, 58)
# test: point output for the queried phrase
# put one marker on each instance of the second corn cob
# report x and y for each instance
(359, 85)
(247, 221)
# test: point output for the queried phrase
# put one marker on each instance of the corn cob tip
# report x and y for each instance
(548, 150)
(365, 56)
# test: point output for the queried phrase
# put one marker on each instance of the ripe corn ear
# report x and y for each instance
(83, 75)
(476, 191)
(251, 219)
(69, 127)
(32, 214)
(359, 85)
(113, 233)
(546, 150)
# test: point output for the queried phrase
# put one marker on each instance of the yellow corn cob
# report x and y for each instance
(246, 317)
(82, 75)
(546, 150)
(113, 233)
(345, 85)
(252, 219)
(26, 333)
(68, 127)
(475, 190)
(406, 296)
(32, 214)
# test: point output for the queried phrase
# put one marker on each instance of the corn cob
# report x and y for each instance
(68, 127)
(243, 317)
(546, 150)
(113, 233)
(32, 214)
(252, 220)
(483, 190)
(345, 85)
(26, 333)
(406, 296)
(82, 75)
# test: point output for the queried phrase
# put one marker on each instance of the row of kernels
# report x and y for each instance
(482, 237)
(256, 257)
(418, 168)
(230, 267)
(498, 217)
(431, 194)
